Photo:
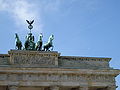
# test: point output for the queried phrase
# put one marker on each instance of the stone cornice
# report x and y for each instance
(47, 53)
(114, 72)
(4, 55)
(85, 58)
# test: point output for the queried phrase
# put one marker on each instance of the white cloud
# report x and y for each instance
(21, 10)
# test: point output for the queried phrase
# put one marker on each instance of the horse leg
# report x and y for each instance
(44, 48)
(52, 48)
(36, 48)
(47, 48)
(20, 47)
(40, 46)
(16, 47)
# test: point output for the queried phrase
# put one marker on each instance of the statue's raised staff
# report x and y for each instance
(18, 43)
(39, 43)
(49, 44)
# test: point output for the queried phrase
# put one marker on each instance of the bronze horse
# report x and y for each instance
(49, 44)
(18, 45)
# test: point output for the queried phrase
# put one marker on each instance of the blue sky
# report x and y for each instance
(81, 27)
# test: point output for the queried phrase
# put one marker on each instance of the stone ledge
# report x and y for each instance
(33, 52)
(85, 58)
(70, 84)
(114, 72)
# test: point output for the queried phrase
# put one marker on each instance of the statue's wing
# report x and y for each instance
(32, 22)
(28, 22)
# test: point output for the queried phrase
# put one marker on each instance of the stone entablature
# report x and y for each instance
(55, 76)
(50, 71)
(22, 58)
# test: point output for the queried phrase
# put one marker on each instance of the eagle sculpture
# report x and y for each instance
(30, 22)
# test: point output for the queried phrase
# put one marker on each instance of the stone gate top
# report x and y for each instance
(24, 68)
(24, 58)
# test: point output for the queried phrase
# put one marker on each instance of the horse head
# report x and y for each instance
(16, 36)
(40, 37)
(51, 39)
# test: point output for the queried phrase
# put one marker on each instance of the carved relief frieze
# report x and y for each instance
(33, 58)
(101, 78)
(58, 78)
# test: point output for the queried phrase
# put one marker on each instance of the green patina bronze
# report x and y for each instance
(30, 44)
(39, 43)
(49, 44)
(18, 43)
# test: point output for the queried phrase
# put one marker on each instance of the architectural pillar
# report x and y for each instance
(54, 88)
(111, 88)
(83, 88)
(12, 88)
